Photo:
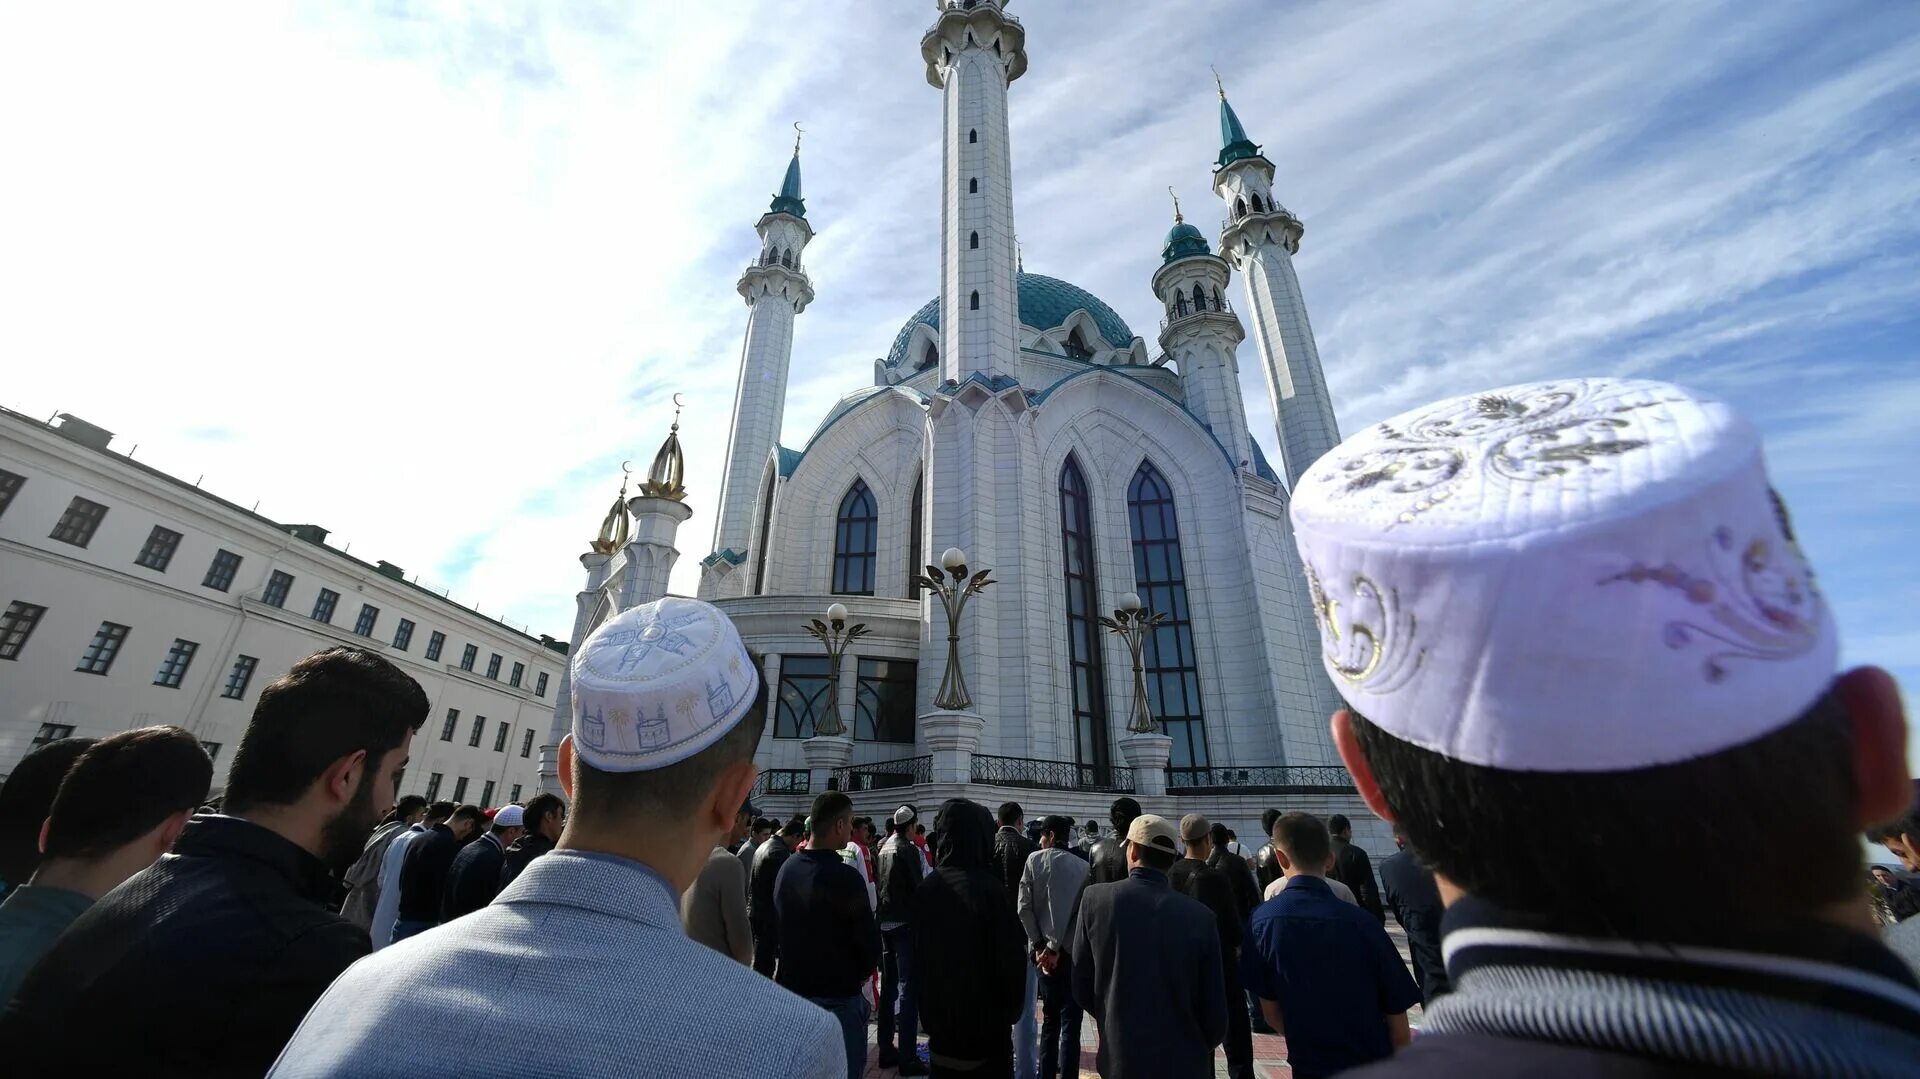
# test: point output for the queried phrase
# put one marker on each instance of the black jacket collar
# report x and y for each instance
(213, 835)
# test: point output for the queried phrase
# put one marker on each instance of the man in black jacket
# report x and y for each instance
(1011, 847)
(1196, 876)
(545, 818)
(898, 871)
(1109, 855)
(1352, 868)
(1409, 889)
(969, 950)
(423, 879)
(474, 877)
(1266, 868)
(761, 917)
(204, 963)
(1146, 965)
(830, 943)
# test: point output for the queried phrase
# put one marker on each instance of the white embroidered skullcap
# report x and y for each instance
(1581, 575)
(658, 683)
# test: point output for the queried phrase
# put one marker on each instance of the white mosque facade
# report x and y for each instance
(1017, 418)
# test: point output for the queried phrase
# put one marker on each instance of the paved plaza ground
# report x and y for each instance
(1269, 1051)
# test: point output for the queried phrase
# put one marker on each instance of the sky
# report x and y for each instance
(426, 274)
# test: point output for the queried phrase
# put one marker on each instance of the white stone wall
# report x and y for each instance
(81, 587)
(977, 201)
(1295, 381)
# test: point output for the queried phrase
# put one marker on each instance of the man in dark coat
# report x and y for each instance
(1146, 965)
(1011, 848)
(473, 879)
(204, 963)
(545, 818)
(1409, 889)
(970, 954)
(1352, 868)
(423, 879)
(1266, 868)
(1109, 855)
(1197, 877)
(761, 916)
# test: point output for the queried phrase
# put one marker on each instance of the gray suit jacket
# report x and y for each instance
(580, 967)
(714, 910)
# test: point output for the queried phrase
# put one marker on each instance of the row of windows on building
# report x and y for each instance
(21, 618)
(1159, 578)
(452, 723)
(459, 793)
(82, 519)
(53, 732)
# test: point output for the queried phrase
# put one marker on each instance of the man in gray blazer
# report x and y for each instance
(581, 967)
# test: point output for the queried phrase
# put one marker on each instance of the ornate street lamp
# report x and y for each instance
(954, 596)
(834, 635)
(1131, 622)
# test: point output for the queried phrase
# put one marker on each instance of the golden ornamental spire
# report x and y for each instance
(664, 479)
(1220, 89)
(1176, 206)
(613, 530)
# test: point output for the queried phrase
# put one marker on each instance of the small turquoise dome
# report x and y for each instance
(1045, 303)
(1184, 241)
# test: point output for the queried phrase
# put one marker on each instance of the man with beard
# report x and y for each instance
(204, 963)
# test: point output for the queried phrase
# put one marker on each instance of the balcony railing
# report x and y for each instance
(884, 775)
(1051, 775)
(1184, 310)
(1260, 780)
(783, 781)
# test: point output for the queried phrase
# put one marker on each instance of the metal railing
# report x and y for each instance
(1260, 780)
(1183, 312)
(884, 775)
(1051, 775)
(783, 781)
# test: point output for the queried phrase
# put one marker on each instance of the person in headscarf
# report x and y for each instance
(970, 952)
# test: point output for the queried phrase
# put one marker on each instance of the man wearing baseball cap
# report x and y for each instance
(1585, 659)
(1146, 965)
(581, 967)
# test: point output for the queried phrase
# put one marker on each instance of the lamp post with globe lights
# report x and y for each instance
(834, 635)
(954, 595)
(1131, 622)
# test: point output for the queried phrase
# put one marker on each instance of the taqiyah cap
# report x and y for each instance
(1577, 575)
(905, 815)
(658, 683)
(509, 816)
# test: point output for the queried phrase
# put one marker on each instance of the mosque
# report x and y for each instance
(1017, 421)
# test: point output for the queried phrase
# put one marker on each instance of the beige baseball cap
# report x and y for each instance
(1193, 827)
(1150, 830)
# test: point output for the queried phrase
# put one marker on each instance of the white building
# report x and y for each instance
(1020, 419)
(132, 597)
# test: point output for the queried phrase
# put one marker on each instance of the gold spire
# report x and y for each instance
(669, 469)
(1176, 206)
(1216, 82)
(797, 132)
(613, 530)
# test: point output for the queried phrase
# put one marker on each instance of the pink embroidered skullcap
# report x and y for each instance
(1579, 575)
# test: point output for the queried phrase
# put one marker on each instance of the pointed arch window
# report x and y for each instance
(1199, 297)
(973, 134)
(1257, 208)
(973, 302)
(1084, 669)
(786, 258)
(917, 545)
(1173, 671)
(766, 524)
(973, 185)
(1239, 207)
(853, 542)
(929, 358)
(1076, 346)
(973, 240)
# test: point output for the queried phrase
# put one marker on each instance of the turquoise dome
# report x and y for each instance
(1183, 241)
(1045, 303)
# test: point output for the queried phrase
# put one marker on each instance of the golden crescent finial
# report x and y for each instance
(1176, 205)
(797, 132)
(678, 404)
(627, 467)
(1216, 82)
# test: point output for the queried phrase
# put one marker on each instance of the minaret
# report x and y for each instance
(973, 51)
(1201, 333)
(658, 511)
(1260, 238)
(590, 607)
(775, 289)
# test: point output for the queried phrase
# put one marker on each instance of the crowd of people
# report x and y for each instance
(1585, 662)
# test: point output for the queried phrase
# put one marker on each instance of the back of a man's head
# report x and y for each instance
(25, 799)
(437, 813)
(541, 807)
(1303, 838)
(1121, 813)
(1769, 827)
(1058, 826)
(408, 806)
(1267, 817)
(1093, 826)
(829, 809)
(472, 816)
(1220, 836)
(621, 800)
(330, 705)
(1010, 815)
(125, 786)
(1339, 826)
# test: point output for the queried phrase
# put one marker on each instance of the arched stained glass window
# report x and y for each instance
(1173, 672)
(916, 550)
(1083, 631)
(853, 542)
(766, 526)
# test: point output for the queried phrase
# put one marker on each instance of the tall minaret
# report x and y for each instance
(776, 289)
(972, 53)
(1260, 238)
(1201, 333)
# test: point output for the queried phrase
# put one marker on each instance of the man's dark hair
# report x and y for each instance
(1304, 838)
(891, 827)
(919, 829)
(828, 808)
(796, 827)
(439, 811)
(408, 806)
(24, 802)
(1219, 835)
(539, 808)
(331, 704)
(473, 815)
(764, 825)
(1233, 835)
(123, 787)
(1093, 826)
(1059, 827)
(1154, 857)
(1907, 824)
(1121, 813)
(1766, 827)
(1338, 824)
(672, 791)
(1010, 815)
(1267, 817)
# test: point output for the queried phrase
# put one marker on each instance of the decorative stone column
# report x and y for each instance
(651, 554)
(583, 607)
(1147, 755)
(826, 752)
(953, 737)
